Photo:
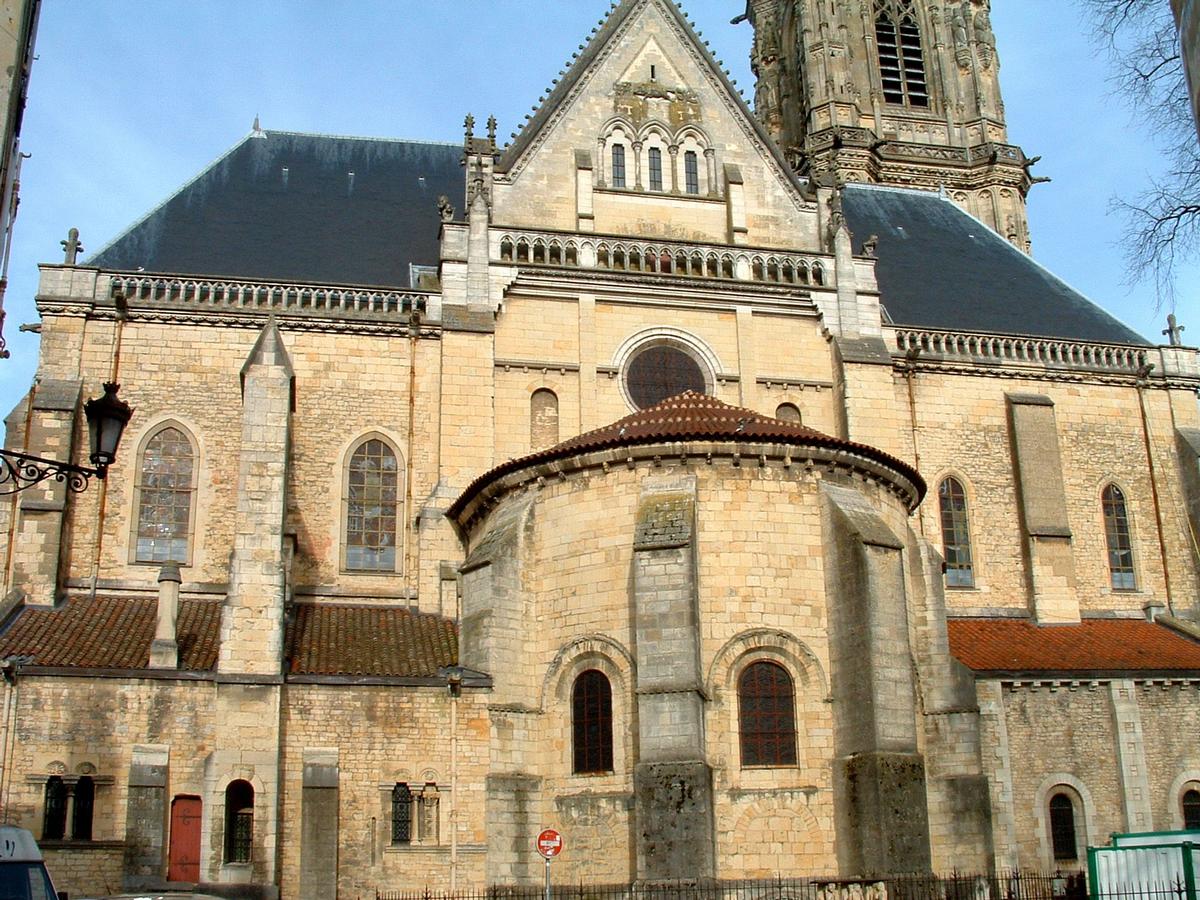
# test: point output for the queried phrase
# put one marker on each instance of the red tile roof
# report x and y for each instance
(111, 633)
(690, 416)
(1093, 645)
(115, 633)
(325, 639)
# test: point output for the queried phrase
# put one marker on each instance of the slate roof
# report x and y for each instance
(243, 217)
(690, 416)
(322, 639)
(1018, 646)
(941, 268)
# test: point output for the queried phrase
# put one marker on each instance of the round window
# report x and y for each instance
(661, 371)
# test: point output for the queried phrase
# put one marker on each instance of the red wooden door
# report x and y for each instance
(184, 856)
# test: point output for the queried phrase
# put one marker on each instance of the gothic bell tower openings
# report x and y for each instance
(893, 92)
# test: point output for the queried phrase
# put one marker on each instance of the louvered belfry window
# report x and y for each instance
(901, 63)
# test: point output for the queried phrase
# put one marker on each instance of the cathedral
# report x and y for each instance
(723, 487)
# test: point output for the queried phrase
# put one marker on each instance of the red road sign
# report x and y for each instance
(549, 843)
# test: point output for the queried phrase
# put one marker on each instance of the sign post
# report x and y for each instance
(549, 844)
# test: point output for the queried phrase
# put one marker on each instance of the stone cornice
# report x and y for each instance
(806, 461)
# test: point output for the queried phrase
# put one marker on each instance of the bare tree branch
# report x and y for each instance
(1162, 221)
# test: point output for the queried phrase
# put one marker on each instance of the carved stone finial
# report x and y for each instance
(1173, 331)
(491, 127)
(71, 247)
(469, 127)
(445, 210)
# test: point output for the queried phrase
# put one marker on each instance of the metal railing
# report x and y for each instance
(1002, 886)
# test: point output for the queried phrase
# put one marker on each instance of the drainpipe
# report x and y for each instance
(454, 682)
(1142, 377)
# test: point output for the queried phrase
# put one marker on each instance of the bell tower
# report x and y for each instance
(896, 92)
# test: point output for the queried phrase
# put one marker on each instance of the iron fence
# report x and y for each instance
(956, 886)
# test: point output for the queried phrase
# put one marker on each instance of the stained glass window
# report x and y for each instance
(372, 502)
(766, 715)
(165, 498)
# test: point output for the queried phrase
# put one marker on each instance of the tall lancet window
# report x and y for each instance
(901, 64)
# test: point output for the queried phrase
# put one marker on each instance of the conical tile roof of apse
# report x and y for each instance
(690, 417)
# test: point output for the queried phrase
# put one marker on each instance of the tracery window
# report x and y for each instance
(372, 507)
(766, 715)
(164, 498)
(656, 179)
(1062, 828)
(1117, 539)
(956, 535)
(618, 165)
(898, 42)
(239, 821)
(591, 723)
(691, 172)
(662, 370)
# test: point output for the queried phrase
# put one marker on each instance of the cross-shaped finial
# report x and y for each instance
(71, 247)
(1173, 330)
(469, 126)
(491, 126)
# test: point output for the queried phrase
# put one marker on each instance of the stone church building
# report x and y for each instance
(725, 488)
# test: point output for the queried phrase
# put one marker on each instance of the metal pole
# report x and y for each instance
(547, 878)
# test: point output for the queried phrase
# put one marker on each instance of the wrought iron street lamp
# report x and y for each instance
(106, 417)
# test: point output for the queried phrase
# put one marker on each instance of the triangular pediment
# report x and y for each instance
(652, 65)
(645, 63)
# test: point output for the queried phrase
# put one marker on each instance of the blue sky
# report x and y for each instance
(130, 99)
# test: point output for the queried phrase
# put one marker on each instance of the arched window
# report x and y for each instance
(956, 535)
(898, 41)
(655, 159)
(1063, 841)
(618, 165)
(372, 507)
(402, 817)
(54, 819)
(788, 412)
(164, 498)
(85, 802)
(766, 715)
(591, 723)
(691, 172)
(1191, 809)
(1116, 535)
(543, 419)
(239, 821)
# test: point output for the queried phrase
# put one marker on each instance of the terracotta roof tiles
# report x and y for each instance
(1091, 646)
(690, 416)
(321, 639)
(325, 639)
(111, 633)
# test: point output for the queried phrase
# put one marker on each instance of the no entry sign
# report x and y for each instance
(549, 843)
